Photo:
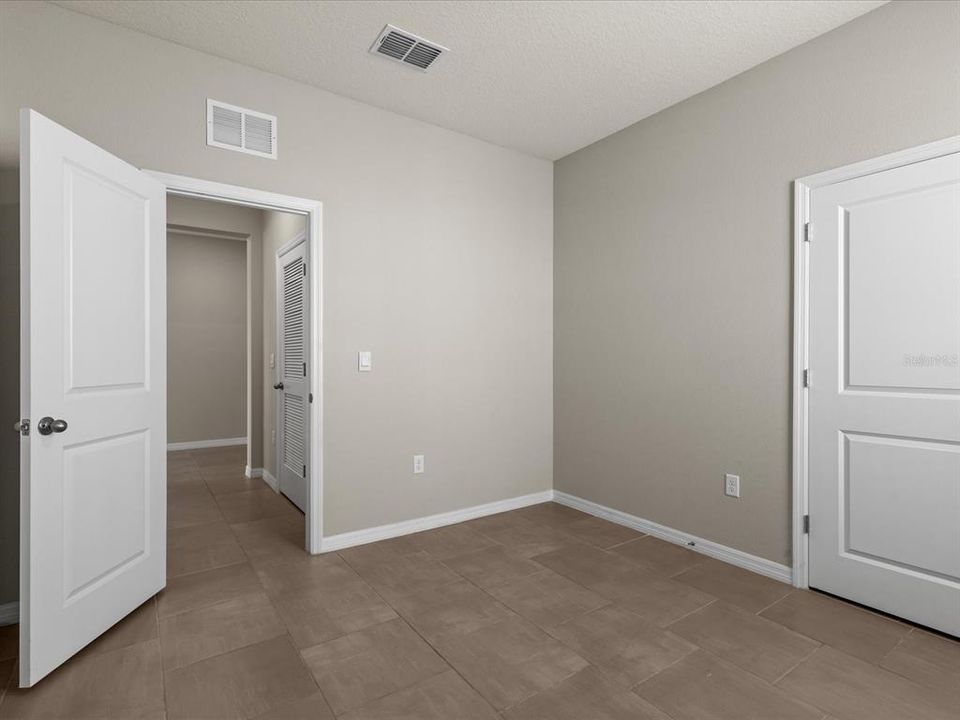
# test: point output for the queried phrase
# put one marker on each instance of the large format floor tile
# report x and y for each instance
(542, 613)
(244, 683)
(201, 547)
(546, 598)
(857, 632)
(459, 607)
(216, 629)
(122, 683)
(407, 575)
(749, 641)
(662, 557)
(600, 533)
(929, 660)
(443, 697)
(491, 566)
(737, 586)
(852, 689)
(703, 687)
(358, 668)
(584, 695)
(623, 645)
(509, 661)
(247, 505)
(197, 590)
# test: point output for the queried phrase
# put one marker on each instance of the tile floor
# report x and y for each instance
(542, 613)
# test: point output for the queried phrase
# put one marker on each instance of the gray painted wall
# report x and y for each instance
(237, 219)
(437, 254)
(673, 271)
(206, 338)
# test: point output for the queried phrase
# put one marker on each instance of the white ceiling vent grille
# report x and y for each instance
(407, 48)
(236, 128)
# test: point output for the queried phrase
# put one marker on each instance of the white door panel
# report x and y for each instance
(884, 402)
(93, 535)
(293, 347)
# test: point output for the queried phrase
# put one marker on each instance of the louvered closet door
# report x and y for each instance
(293, 435)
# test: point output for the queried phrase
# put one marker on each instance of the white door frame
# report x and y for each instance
(801, 336)
(313, 210)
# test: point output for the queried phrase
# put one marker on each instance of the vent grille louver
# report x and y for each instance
(407, 48)
(236, 128)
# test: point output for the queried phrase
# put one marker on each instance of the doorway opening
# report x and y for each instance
(283, 369)
(228, 414)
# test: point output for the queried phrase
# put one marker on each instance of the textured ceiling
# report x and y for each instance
(545, 78)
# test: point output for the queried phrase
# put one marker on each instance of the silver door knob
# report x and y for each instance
(48, 425)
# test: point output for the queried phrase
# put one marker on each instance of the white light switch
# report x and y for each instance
(365, 361)
(273, 360)
(417, 464)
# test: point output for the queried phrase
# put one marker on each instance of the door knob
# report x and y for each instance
(48, 425)
(278, 386)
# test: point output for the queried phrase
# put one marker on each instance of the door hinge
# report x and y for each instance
(304, 369)
(311, 397)
(806, 378)
(22, 426)
(304, 269)
(808, 232)
(304, 470)
(806, 524)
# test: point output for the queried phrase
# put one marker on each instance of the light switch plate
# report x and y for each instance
(365, 361)
(417, 464)
(273, 360)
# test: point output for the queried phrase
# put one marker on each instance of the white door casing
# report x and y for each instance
(93, 351)
(293, 350)
(884, 397)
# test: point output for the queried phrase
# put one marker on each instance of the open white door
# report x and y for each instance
(294, 347)
(884, 413)
(93, 386)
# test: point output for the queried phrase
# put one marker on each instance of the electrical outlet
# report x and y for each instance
(417, 464)
(731, 485)
(273, 437)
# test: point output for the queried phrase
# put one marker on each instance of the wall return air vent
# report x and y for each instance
(236, 128)
(404, 47)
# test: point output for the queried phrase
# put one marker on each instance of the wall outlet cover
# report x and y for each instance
(731, 485)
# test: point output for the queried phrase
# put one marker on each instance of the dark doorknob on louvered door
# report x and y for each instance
(278, 386)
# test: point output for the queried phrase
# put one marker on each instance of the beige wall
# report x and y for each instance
(278, 229)
(673, 271)
(238, 221)
(437, 254)
(206, 338)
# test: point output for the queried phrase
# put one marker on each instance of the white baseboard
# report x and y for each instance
(407, 527)
(9, 613)
(756, 564)
(200, 444)
(270, 479)
(253, 472)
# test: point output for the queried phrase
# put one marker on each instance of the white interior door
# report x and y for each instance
(884, 401)
(93, 385)
(293, 346)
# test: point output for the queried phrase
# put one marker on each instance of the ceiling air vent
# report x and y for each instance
(236, 128)
(407, 48)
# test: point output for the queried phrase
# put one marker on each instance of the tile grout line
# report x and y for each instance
(420, 635)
